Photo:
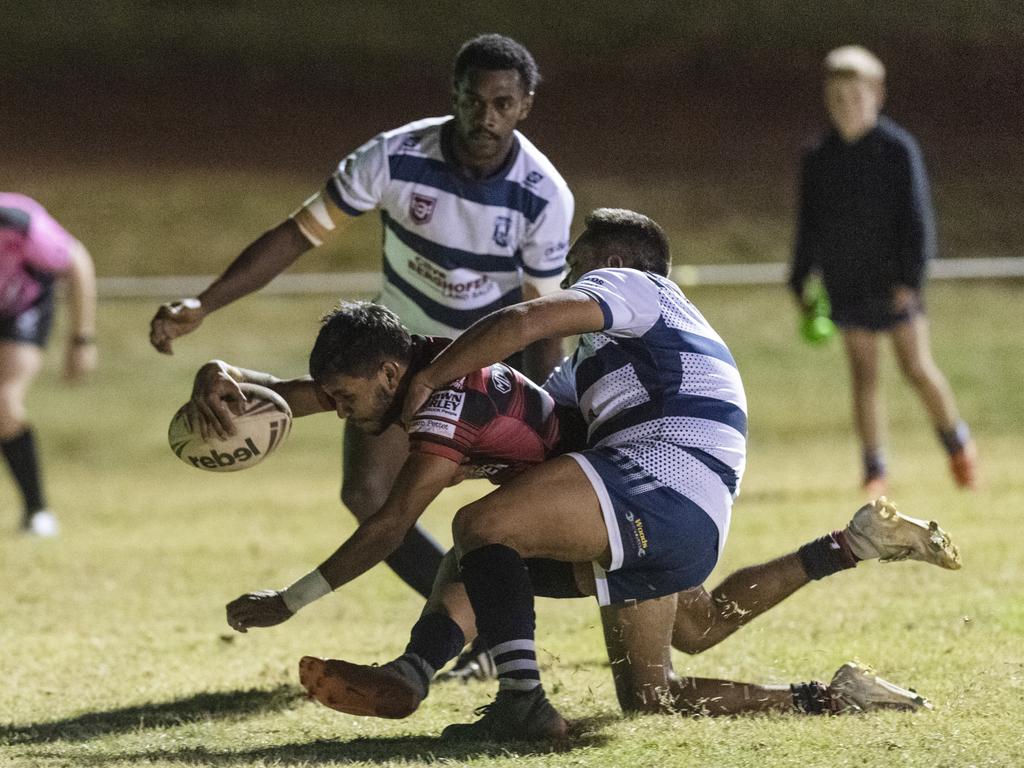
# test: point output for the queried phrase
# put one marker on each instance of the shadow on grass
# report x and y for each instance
(201, 706)
(361, 750)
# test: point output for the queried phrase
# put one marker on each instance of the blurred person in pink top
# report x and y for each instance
(34, 252)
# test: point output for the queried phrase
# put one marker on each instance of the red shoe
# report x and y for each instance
(964, 465)
(357, 689)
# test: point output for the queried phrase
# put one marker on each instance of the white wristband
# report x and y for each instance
(310, 587)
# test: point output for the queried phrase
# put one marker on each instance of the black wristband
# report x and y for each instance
(83, 340)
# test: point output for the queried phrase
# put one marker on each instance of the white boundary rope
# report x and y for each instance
(363, 283)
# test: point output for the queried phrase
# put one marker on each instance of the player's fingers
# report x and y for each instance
(211, 422)
(224, 419)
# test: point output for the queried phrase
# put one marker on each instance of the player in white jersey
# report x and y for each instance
(475, 218)
(646, 503)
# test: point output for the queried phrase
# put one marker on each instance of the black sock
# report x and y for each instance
(827, 555)
(874, 465)
(21, 455)
(417, 559)
(499, 589)
(436, 639)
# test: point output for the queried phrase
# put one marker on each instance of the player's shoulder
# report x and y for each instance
(19, 202)
(625, 278)
(537, 172)
(897, 139)
(412, 135)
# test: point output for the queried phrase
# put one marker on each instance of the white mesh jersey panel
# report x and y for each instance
(710, 377)
(678, 312)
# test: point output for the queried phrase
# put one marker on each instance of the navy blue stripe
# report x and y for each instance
(522, 653)
(605, 309)
(335, 194)
(501, 193)
(543, 272)
(521, 674)
(456, 318)
(702, 345)
(719, 467)
(693, 406)
(448, 258)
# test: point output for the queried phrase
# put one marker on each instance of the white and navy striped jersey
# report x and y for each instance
(658, 376)
(455, 248)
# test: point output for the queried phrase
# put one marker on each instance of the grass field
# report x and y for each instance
(115, 651)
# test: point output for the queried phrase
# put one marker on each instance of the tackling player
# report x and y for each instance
(648, 501)
(34, 251)
(475, 218)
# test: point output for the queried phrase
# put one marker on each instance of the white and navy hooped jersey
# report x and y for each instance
(455, 248)
(657, 373)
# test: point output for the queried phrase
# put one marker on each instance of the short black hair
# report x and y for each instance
(356, 338)
(493, 52)
(636, 239)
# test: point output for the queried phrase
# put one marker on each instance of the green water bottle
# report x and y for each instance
(816, 326)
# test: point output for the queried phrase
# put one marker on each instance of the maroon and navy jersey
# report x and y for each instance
(494, 419)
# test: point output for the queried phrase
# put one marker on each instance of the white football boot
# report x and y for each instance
(43, 524)
(856, 688)
(878, 530)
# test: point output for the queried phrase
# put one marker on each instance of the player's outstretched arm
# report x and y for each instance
(422, 478)
(503, 333)
(270, 255)
(81, 357)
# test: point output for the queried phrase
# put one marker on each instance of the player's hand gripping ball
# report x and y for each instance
(262, 422)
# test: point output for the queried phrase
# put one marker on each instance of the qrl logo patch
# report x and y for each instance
(421, 208)
(502, 227)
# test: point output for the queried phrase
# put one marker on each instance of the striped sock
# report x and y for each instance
(500, 592)
(516, 661)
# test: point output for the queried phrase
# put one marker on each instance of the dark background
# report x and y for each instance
(692, 112)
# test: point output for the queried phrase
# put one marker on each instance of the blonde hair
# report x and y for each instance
(854, 60)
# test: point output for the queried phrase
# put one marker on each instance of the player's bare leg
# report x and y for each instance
(637, 635)
(20, 363)
(703, 619)
(550, 511)
(370, 466)
(876, 531)
(913, 352)
(862, 354)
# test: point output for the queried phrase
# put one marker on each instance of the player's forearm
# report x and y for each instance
(82, 278)
(262, 261)
(373, 541)
(301, 394)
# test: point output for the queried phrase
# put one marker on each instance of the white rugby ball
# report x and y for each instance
(262, 422)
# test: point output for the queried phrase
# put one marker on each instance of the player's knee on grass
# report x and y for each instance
(637, 637)
(694, 621)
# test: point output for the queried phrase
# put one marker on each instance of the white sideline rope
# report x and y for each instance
(368, 283)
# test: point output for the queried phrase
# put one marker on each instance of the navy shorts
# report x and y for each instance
(662, 542)
(33, 325)
(873, 315)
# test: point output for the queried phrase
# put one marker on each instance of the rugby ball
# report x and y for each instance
(262, 422)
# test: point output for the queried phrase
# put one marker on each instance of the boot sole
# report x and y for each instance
(356, 689)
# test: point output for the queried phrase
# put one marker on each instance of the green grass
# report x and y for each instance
(115, 651)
